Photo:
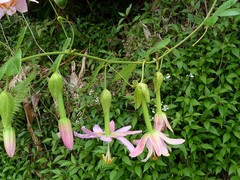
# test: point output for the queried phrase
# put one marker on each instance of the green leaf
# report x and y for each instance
(211, 21)
(236, 133)
(56, 171)
(157, 47)
(207, 146)
(138, 171)
(58, 60)
(113, 175)
(226, 137)
(14, 64)
(224, 6)
(21, 37)
(128, 9)
(126, 160)
(21, 90)
(126, 74)
(230, 12)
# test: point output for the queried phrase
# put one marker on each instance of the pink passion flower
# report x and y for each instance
(10, 7)
(155, 143)
(66, 134)
(118, 134)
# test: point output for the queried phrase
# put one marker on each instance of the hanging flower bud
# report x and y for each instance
(6, 108)
(105, 99)
(141, 91)
(55, 85)
(161, 122)
(66, 133)
(9, 139)
(157, 81)
(61, 3)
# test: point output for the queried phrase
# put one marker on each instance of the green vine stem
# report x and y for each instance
(186, 38)
(146, 115)
(125, 62)
(143, 68)
(158, 101)
(105, 76)
(107, 123)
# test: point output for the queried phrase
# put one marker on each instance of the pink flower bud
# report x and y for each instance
(66, 133)
(9, 139)
(161, 122)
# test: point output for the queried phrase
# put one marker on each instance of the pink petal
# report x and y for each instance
(157, 122)
(139, 149)
(65, 129)
(166, 122)
(136, 141)
(84, 136)
(169, 140)
(124, 129)
(150, 153)
(112, 126)
(87, 131)
(127, 133)
(106, 139)
(164, 148)
(155, 142)
(1, 13)
(4, 1)
(127, 143)
(97, 129)
(21, 6)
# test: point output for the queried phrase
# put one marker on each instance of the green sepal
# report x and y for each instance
(6, 108)
(138, 96)
(157, 81)
(141, 91)
(105, 99)
(55, 85)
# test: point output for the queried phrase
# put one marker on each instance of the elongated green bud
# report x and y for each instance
(157, 81)
(6, 108)
(105, 99)
(55, 85)
(141, 91)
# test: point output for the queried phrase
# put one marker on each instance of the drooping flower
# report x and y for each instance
(155, 143)
(11, 6)
(161, 122)
(9, 139)
(118, 134)
(65, 129)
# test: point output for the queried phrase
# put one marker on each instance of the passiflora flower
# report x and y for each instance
(118, 134)
(155, 143)
(10, 7)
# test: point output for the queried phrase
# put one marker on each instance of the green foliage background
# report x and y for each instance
(200, 89)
